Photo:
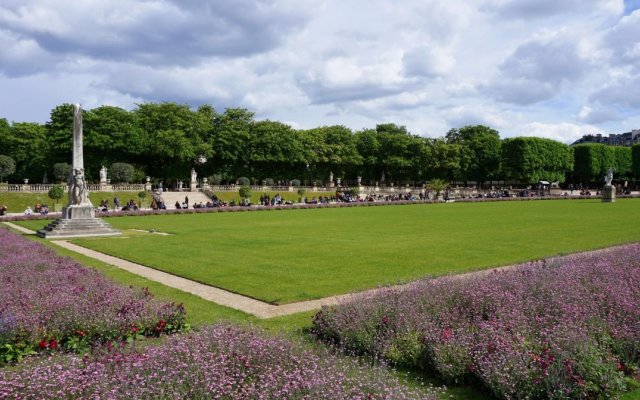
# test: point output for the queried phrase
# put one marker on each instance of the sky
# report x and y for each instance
(550, 68)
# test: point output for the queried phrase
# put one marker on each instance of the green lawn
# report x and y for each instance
(288, 256)
(480, 234)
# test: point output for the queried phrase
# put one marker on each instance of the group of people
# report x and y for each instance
(266, 200)
(41, 209)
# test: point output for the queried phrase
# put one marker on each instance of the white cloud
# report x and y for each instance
(553, 67)
(563, 132)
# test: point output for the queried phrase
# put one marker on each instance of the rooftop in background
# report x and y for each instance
(623, 139)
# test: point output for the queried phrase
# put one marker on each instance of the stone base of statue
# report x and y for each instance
(608, 194)
(77, 221)
(331, 185)
(193, 186)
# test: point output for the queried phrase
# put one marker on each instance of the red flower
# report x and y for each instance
(134, 329)
(447, 334)
(43, 344)
(53, 344)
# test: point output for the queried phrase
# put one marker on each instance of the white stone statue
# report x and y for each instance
(78, 191)
(609, 177)
(330, 176)
(194, 175)
(103, 174)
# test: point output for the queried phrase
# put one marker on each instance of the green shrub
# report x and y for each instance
(7, 166)
(56, 193)
(243, 181)
(122, 172)
(245, 192)
(61, 171)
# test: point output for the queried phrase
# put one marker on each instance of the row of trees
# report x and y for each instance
(165, 140)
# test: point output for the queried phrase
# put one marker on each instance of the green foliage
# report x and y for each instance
(15, 352)
(243, 181)
(25, 142)
(301, 192)
(61, 171)
(142, 195)
(215, 179)
(56, 193)
(7, 166)
(245, 192)
(594, 159)
(437, 185)
(295, 182)
(635, 160)
(480, 155)
(532, 159)
(121, 172)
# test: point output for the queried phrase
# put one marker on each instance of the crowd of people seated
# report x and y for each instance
(130, 206)
(41, 209)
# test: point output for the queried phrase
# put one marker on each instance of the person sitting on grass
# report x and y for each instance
(3, 209)
(28, 211)
(44, 210)
(177, 205)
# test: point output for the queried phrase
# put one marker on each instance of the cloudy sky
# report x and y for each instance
(552, 68)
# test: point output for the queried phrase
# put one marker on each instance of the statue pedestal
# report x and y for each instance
(608, 194)
(331, 185)
(77, 221)
(78, 212)
(193, 187)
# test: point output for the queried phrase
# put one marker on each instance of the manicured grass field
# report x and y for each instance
(288, 256)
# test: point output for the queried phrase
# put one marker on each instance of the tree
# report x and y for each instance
(395, 152)
(61, 171)
(172, 140)
(622, 162)
(60, 133)
(442, 160)
(231, 135)
(301, 193)
(276, 150)
(591, 161)
(142, 195)
(121, 172)
(27, 144)
(56, 193)
(245, 192)
(532, 159)
(438, 185)
(635, 160)
(480, 155)
(112, 134)
(7, 166)
(330, 149)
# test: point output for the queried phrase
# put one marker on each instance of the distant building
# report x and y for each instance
(623, 139)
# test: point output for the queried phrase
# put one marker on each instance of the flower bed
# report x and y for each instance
(219, 362)
(51, 303)
(563, 328)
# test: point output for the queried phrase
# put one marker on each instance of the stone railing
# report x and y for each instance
(92, 187)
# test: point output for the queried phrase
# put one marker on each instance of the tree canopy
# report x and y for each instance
(165, 140)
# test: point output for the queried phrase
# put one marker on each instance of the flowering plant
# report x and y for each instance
(562, 328)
